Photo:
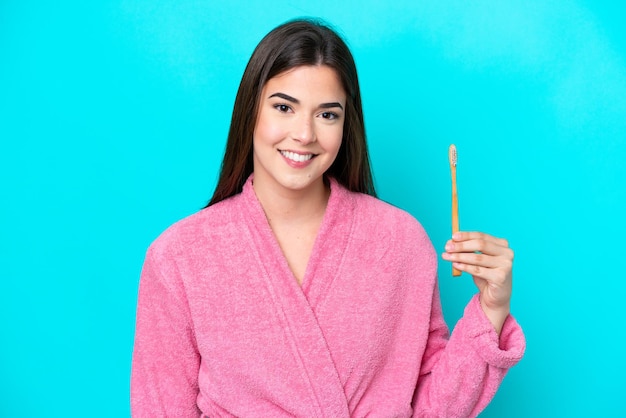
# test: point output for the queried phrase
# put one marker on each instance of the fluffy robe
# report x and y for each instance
(223, 328)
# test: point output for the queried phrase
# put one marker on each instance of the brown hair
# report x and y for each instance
(292, 44)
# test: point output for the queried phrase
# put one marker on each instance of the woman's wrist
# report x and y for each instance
(496, 316)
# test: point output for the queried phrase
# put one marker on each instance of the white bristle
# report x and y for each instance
(452, 155)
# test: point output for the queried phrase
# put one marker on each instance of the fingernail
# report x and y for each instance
(456, 235)
(449, 246)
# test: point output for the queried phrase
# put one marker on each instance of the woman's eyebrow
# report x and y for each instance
(285, 97)
(296, 101)
(331, 105)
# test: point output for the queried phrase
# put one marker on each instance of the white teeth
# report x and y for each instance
(300, 158)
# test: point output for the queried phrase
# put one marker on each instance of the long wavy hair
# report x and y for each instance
(292, 44)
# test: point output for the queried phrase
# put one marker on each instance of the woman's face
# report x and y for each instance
(299, 128)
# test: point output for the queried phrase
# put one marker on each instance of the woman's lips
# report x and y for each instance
(297, 159)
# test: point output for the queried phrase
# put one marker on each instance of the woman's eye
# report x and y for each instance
(329, 115)
(282, 108)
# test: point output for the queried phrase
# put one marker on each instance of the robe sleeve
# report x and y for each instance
(164, 377)
(460, 375)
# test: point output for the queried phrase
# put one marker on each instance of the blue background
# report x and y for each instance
(113, 119)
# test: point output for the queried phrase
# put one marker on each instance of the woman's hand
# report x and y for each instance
(490, 262)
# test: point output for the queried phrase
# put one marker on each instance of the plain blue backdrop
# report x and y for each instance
(113, 120)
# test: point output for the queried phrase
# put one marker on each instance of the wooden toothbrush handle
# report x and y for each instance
(455, 214)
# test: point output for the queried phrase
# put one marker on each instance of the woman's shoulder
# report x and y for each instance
(385, 215)
(197, 229)
(383, 226)
(378, 222)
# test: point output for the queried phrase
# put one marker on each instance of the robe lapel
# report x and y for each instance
(294, 310)
(330, 246)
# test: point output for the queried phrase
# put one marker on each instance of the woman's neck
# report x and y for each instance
(287, 206)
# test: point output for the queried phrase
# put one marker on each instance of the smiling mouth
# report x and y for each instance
(299, 158)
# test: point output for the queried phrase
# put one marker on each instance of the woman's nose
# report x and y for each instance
(304, 130)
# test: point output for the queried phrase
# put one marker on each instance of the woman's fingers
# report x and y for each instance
(474, 246)
(476, 259)
(480, 255)
(494, 275)
(466, 236)
(490, 262)
(478, 241)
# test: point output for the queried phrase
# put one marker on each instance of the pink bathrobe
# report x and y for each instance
(224, 329)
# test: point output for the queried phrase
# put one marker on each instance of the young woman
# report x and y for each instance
(296, 292)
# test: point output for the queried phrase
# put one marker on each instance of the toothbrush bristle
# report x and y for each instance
(452, 155)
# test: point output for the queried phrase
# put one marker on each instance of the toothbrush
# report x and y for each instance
(452, 157)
